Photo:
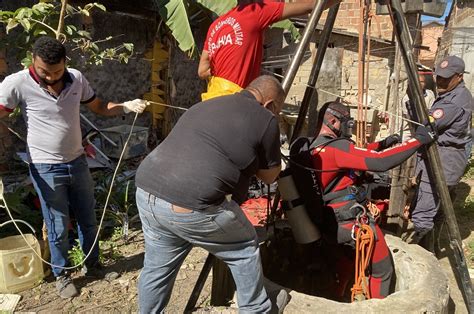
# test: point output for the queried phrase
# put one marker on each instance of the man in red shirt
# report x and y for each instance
(341, 176)
(233, 49)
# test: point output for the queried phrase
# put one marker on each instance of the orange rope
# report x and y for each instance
(374, 210)
(364, 248)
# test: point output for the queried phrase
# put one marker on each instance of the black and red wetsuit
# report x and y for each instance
(341, 164)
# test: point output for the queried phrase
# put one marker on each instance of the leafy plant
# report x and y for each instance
(470, 251)
(40, 20)
(469, 174)
(121, 203)
(107, 250)
(117, 234)
(75, 254)
(15, 200)
(24, 205)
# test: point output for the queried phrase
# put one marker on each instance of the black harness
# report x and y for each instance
(352, 194)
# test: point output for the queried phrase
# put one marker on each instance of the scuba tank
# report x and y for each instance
(304, 230)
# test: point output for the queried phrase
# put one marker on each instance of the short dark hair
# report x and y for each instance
(268, 87)
(50, 50)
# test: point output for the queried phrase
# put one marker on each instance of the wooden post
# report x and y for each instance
(401, 174)
(397, 197)
(223, 286)
(199, 283)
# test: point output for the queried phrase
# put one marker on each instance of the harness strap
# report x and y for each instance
(347, 212)
(352, 192)
(289, 205)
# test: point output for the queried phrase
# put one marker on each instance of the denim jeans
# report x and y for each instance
(64, 188)
(223, 230)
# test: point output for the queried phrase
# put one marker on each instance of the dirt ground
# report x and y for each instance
(120, 295)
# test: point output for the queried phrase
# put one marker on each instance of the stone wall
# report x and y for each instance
(114, 81)
(8, 64)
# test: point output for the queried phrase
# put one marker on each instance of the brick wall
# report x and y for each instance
(348, 19)
(430, 35)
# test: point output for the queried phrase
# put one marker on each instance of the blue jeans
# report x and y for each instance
(64, 188)
(223, 230)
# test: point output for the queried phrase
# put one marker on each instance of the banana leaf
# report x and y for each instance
(218, 7)
(175, 16)
(288, 26)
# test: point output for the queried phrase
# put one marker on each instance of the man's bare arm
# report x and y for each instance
(204, 69)
(105, 109)
(269, 175)
(299, 8)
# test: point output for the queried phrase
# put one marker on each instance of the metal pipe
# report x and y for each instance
(97, 129)
(308, 32)
(315, 70)
(433, 163)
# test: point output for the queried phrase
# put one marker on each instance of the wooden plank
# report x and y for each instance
(223, 286)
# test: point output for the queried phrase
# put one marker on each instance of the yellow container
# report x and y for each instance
(20, 267)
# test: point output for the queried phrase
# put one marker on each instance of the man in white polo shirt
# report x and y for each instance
(50, 96)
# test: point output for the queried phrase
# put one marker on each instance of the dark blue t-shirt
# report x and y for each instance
(212, 151)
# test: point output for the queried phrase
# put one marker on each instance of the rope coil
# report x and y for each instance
(364, 237)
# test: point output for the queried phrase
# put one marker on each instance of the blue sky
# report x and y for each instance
(426, 19)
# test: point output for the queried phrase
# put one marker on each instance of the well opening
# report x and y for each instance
(308, 273)
(323, 268)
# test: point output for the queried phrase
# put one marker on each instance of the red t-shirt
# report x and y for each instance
(235, 41)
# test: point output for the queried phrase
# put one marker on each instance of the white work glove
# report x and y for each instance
(136, 105)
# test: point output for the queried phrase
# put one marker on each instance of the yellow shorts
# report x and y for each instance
(218, 86)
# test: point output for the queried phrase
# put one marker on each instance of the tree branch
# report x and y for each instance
(45, 25)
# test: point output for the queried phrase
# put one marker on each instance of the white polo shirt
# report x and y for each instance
(53, 123)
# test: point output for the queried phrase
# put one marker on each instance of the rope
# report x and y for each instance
(364, 247)
(101, 219)
(166, 105)
(374, 210)
(349, 101)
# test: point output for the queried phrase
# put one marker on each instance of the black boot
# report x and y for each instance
(428, 241)
(422, 238)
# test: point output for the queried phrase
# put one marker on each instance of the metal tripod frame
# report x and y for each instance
(433, 163)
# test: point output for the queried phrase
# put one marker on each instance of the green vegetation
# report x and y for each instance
(75, 254)
(470, 254)
(43, 19)
(107, 252)
(470, 170)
